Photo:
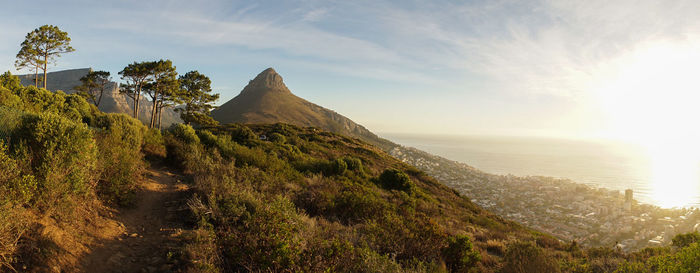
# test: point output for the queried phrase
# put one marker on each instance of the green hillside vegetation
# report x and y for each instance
(61, 159)
(305, 200)
(299, 200)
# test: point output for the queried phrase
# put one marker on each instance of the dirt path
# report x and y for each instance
(150, 228)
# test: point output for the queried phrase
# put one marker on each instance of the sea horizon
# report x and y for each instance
(601, 163)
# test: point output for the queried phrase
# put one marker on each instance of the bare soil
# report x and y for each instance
(148, 233)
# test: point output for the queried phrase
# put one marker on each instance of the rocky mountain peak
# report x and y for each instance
(268, 79)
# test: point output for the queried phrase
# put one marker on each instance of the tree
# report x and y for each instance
(195, 91)
(41, 47)
(93, 86)
(136, 76)
(28, 57)
(163, 90)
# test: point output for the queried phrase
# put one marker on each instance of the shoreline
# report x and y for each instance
(570, 211)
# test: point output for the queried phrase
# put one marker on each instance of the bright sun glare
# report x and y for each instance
(652, 98)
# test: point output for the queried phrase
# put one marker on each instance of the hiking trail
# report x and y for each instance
(150, 228)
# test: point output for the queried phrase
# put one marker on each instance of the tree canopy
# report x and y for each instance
(94, 85)
(41, 47)
(195, 91)
(136, 75)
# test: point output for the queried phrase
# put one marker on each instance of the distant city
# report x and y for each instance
(570, 211)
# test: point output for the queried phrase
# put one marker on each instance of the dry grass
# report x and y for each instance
(12, 227)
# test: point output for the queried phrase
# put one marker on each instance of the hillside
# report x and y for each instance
(112, 102)
(305, 200)
(266, 99)
(75, 197)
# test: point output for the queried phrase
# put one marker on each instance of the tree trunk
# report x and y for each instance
(46, 58)
(36, 76)
(160, 117)
(137, 101)
(153, 113)
(99, 99)
(154, 109)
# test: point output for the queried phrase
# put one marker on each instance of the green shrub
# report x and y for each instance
(393, 179)
(266, 236)
(9, 81)
(283, 129)
(76, 108)
(184, 133)
(181, 154)
(459, 254)
(15, 188)
(9, 120)
(121, 161)
(41, 100)
(631, 267)
(154, 144)
(61, 153)
(208, 138)
(9, 99)
(524, 257)
(356, 204)
(336, 167)
(686, 259)
(241, 133)
(684, 240)
(353, 163)
(278, 138)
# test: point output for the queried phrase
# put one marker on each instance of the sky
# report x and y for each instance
(586, 69)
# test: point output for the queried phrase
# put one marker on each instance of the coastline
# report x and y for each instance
(570, 211)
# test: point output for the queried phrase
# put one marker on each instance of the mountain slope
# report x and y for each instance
(112, 102)
(266, 99)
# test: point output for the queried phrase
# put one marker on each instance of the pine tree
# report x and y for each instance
(163, 91)
(94, 85)
(41, 47)
(195, 91)
(136, 75)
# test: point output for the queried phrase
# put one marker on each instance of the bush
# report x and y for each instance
(336, 167)
(266, 235)
(393, 179)
(76, 108)
(353, 163)
(241, 133)
(61, 153)
(278, 138)
(119, 140)
(9, 120)
(356, 204)
(459, 254)
(184, 133)
(684, 240)
(524, 257)
(153, 144)
(9, 81)
(9, 99)
(631, 267)
(15, 188)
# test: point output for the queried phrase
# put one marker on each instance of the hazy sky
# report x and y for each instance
(562, 68)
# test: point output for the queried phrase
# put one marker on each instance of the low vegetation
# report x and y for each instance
(283, 198)
(267, 198)
(60, 159)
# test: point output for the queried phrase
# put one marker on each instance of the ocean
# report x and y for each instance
(611, 165)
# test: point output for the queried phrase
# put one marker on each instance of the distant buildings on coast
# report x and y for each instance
(570, 211)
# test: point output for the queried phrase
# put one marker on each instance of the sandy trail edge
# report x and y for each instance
(151, 227)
